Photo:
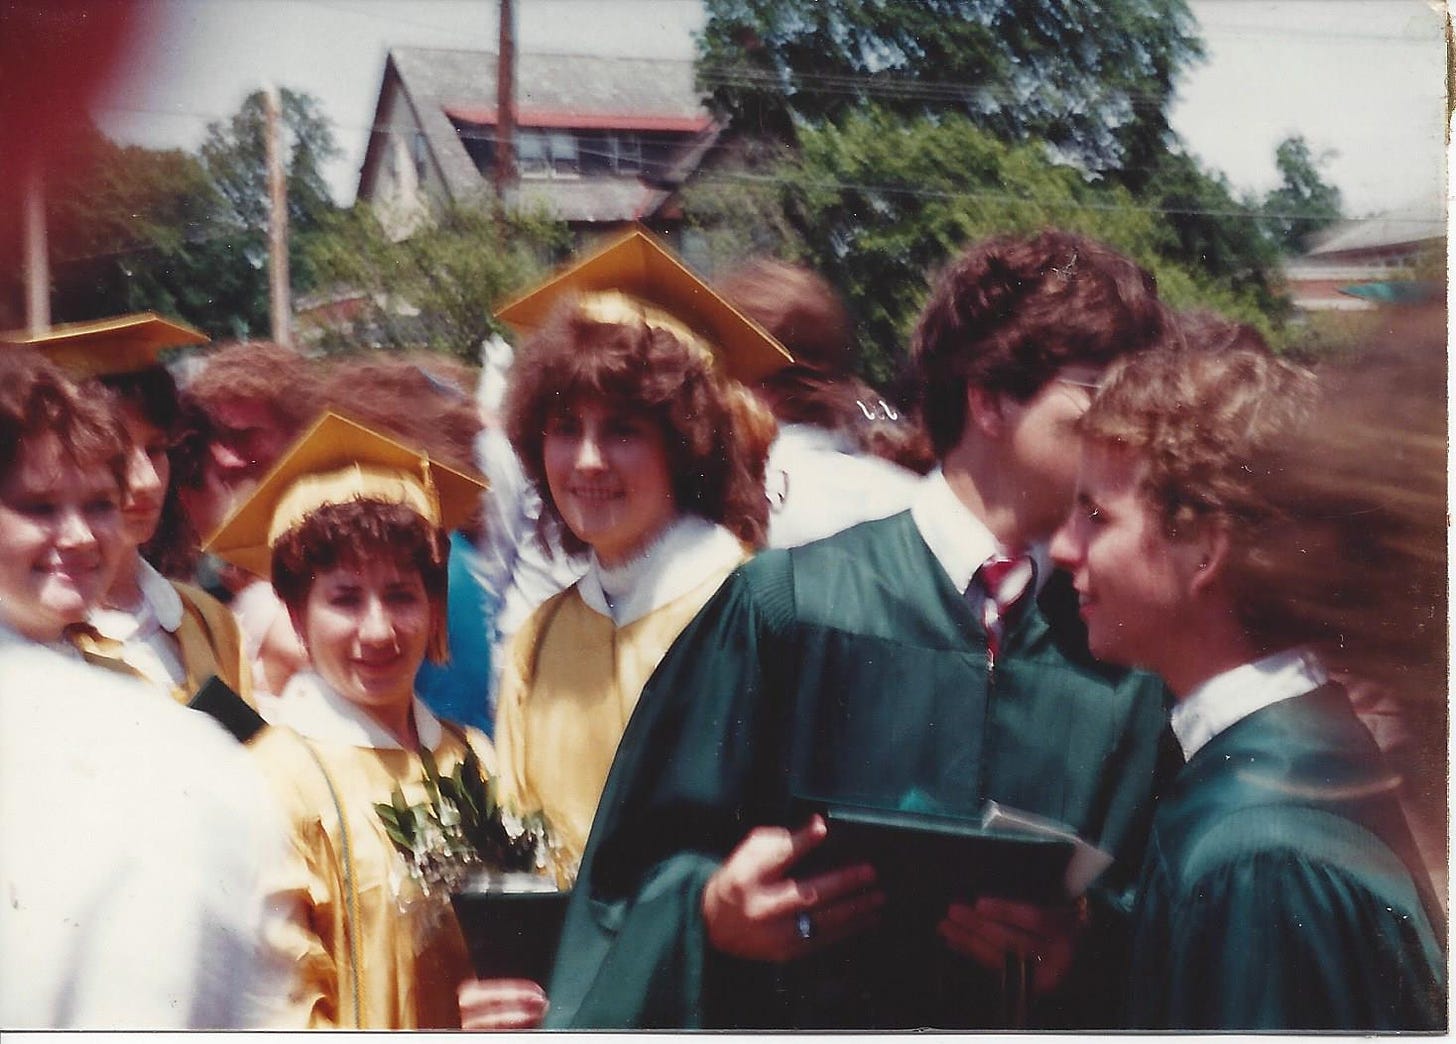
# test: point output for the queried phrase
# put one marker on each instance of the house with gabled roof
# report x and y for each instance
(1359, 264)
(600, 141)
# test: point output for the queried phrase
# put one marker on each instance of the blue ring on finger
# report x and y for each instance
(804, 926)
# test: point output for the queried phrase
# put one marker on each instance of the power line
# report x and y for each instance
(664, 138)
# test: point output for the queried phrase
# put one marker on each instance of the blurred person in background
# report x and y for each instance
(823, 473)
(138, 835)
(257, 397)
(1236, 539)
(169, 633)
(649, 459)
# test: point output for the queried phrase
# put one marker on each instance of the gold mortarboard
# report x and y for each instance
(104, 347)
(636, 267)
(336, 461)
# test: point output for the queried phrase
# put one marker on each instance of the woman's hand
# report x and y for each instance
(987, 931)
(753, 909)
(501, 1004)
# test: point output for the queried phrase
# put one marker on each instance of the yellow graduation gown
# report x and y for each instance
(572, 681)
(371, 952)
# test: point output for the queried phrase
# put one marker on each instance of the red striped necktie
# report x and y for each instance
(1005, 582)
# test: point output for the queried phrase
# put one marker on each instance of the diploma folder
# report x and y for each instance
(511, 935)
(924, 862)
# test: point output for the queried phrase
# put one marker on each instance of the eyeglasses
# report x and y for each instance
(1091, 382)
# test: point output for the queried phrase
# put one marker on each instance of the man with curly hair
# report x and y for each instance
(881, 668)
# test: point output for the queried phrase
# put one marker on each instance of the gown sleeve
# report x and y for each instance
(692, 769)
(1317, 928)
(303, 886)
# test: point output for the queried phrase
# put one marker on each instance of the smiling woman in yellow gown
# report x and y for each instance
(351, 527)
(624, 411)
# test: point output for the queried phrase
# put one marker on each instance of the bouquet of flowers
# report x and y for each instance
(462, 829)
(501, 872)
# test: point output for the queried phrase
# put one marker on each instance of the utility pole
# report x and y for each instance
(505, 105)
(280, 306)
(37, 261)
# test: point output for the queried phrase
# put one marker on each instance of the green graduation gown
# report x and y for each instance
(1282, 890)
(848, 669)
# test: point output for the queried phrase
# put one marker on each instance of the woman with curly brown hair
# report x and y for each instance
(651, 458)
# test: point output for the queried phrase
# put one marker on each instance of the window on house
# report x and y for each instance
(626, 153)
(547, 154)
(532, 155)
(421, 153)
(565, 155)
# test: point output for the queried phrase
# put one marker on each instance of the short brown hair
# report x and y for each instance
(261, 371)
(1202, 330)
(716, 473)
(359, 531)
(798, 307)
(37, 399)
(1205, 425)
(423, 399)
(1012, 311)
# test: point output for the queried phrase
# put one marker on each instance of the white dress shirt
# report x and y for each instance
(147, 633)
(311, 707)
(687, 551)
(960, 541)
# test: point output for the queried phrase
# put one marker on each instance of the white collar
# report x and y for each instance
(1228, 698)
(689, 549)
(160, 603)
(812, 437)
(160, 595)
(959, 540)
(310, 707)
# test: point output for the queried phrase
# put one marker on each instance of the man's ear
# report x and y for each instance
(1212, 546)
(984, 411)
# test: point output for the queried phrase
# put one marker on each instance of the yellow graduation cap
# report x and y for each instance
(104, 347)
(635, 276)
(334, 462)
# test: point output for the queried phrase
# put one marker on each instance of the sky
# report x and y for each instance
(1362, 80)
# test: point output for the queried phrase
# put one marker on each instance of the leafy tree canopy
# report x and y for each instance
(878, 203)
(1092, 80)
(1304, 203)
(133, 229)
(438, 288)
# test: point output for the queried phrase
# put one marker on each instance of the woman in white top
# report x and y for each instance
(137, 833)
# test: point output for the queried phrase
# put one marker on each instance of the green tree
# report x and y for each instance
(1092, 80)
(1208, 227)
(128, 230)
(234, 157)
(184, 234)
(1304, 203)
(439, 287)
(878, 203)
